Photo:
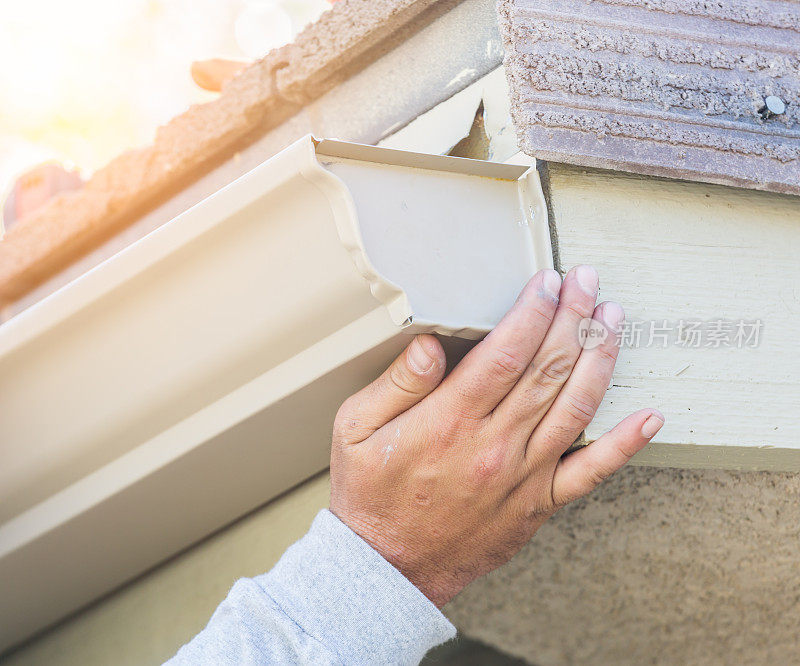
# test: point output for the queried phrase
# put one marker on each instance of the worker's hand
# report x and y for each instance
(447, 480)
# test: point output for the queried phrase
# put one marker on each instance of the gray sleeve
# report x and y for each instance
(331, 599)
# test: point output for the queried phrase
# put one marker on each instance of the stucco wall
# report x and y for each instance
(658, 566)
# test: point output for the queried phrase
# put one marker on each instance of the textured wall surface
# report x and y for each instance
(664, 87)
(656, 567)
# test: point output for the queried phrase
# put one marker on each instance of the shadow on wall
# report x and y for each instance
(463, 651)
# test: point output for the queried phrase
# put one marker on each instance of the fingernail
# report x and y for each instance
(652, 425)
(552, 284)
(613, 316)
(418, 358)
(587, 279)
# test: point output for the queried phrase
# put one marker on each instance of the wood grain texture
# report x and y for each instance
(672, 250)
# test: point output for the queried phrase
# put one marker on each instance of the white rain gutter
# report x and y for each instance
(195, 375)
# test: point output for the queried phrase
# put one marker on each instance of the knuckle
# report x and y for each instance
(461, 403)
(346, 423)
(595, 475)
(554, 369)
(541, 311)
(507, 364)
(487, 465)
(447, 431)
(450, 427)
(400, 379)
(580, 406)
(345, 413)
(608, 350)
(579, 309)
(556, 438)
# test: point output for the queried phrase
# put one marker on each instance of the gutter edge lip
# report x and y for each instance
(148, 251)
(180, 439)
(135, 259)
(428, 161)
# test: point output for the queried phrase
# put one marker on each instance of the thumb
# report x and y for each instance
(410, 377)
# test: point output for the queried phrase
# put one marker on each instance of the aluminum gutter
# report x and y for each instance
(195, 375)
(461, 44)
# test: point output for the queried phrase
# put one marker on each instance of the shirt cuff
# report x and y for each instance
(340, 591)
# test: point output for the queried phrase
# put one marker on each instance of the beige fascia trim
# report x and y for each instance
(196, 374)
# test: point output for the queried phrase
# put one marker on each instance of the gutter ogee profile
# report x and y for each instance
(195, 375)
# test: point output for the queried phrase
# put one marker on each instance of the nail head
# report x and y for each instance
(774, 105)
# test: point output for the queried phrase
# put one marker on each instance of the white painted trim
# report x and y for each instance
(195, 375)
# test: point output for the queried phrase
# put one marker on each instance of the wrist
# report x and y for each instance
(437, 583)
